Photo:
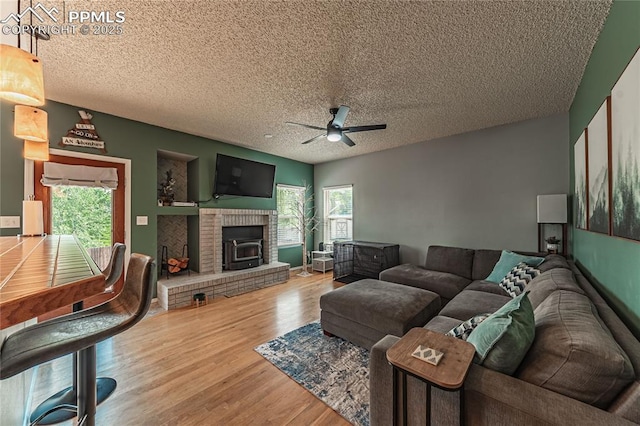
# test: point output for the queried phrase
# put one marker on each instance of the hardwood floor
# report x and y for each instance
(197, 366)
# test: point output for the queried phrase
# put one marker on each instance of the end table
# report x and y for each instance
(449, 374)
(321, 260)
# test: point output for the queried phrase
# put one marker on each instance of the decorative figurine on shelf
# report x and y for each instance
(165, 193)
(553, 245)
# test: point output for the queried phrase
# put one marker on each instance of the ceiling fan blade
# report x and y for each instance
(313, 139)
(305, 125)
(347, 140)
(341, 116)
(364, 128)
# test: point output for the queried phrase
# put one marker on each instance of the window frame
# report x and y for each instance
(301, 193)
(327, 217)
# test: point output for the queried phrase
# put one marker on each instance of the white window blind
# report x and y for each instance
(76, 175)
(289, 200)
(338, 213)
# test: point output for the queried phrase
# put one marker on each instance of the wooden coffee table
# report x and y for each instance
(449, 374)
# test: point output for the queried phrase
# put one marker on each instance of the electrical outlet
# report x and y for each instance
(9, 221)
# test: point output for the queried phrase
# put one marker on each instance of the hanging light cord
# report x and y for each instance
(18, 35)
(31, 26)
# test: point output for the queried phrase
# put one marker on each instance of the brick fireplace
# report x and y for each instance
(213, 220)
(212, 280)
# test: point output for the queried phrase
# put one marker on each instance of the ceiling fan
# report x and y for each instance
(335, 131)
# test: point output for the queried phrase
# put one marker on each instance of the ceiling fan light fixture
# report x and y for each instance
(30, 124)
(334, 135)
(21, 77)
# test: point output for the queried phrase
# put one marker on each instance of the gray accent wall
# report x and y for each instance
(475, 190)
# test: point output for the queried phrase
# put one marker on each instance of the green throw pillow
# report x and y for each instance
(503, 339)
(508, 260)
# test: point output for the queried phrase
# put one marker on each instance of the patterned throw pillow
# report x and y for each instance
(465, 328)
(517, 278)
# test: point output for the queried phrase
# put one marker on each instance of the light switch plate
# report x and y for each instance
(10, 222)
(142, 220)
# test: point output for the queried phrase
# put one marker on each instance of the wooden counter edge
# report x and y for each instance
(31, 306)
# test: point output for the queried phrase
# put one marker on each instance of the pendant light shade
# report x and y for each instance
(21, 78)
(30, 124)
(38, 151)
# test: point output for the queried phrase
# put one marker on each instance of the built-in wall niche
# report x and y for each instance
(174, 233)
(183, 169)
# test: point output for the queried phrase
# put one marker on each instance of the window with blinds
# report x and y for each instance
(338, 213)
(290, 200)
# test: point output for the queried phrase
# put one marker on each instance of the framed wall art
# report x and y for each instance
(580, 188)
(625, 152)
(598, 170)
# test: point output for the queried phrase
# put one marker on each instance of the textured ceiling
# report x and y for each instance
(237, 70)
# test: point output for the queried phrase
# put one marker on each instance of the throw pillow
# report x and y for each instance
(513, 283)
(464, 329)
(503, 339)
(507, 261)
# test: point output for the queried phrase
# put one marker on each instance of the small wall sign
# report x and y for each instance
(83, 134)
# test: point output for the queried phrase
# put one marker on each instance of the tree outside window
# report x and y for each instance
(338, 213)
(289, 227)
(86, 213)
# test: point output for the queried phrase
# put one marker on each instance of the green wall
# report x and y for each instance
(613, 263)
(140, 142)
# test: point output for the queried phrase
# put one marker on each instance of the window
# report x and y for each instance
(338, 213)
(289, 200)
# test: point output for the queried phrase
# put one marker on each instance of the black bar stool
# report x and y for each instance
(105, 385)
(80, 332)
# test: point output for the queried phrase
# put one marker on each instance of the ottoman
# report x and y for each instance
(365, 311)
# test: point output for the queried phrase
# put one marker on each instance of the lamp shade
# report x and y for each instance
(552, 208)
(37, 151)
(21, 78)
(30, 124)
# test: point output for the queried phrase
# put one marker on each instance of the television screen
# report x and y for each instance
(237, 176)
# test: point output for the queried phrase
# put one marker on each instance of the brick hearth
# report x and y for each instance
(177, 291)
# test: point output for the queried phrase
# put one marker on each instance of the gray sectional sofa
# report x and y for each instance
(582, 368)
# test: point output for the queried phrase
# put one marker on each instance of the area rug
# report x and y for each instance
(334, 370)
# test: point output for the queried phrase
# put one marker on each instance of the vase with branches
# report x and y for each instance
(306, 221)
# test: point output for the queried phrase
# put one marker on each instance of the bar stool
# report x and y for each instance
(80, 332)
(105, 385)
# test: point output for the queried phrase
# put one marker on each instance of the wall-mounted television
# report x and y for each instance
(238, 176)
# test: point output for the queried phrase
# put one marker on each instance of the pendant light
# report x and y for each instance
(37, 151)
(21, 78)
(30, 124)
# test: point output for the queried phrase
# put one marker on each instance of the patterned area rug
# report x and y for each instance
(334, 370)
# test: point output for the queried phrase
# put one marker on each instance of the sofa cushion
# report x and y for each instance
(508, 260)
(503, 339)
(445, 284)
(464, 329)
(486, 286)
(574, 353)
(441, 324)
(470, 302)
(544, 284)
(552, 261)
(454, 260)
(483, 263)
(517, 278)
